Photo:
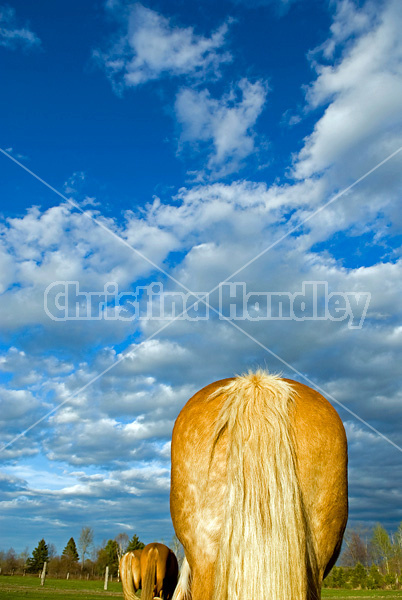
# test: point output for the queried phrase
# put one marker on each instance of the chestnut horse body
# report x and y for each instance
(259, 490)
(130, 573)
(159, 571)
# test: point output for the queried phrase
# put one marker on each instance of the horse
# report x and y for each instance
(130, 573)
(258, 490)
(159, 571)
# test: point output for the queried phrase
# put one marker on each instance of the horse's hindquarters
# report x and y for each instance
(159, 570)
(200, 494)
(322, 465)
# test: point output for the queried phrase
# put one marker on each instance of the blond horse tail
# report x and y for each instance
(182, 591)
(126, 576)
(149, 579)
(265, 550)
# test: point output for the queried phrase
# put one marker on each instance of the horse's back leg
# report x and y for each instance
(159, 588)
(160, 578)
(202, 580)
(136, 570)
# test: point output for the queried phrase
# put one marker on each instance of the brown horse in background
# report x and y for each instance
(130, 573)
(258, 490)
(159, 571)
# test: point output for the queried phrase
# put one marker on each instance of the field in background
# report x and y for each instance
(14, 587)
(361, 594)
(28, 587)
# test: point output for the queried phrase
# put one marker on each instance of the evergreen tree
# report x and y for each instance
(359, 577)
(339, 577)
(39, 556)
(70, 552)
(390, 580)
(109, 556)
(134, 544)
(375, 580)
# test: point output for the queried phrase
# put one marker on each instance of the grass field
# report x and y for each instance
(361, 594)
(12, 588)
(27, 587)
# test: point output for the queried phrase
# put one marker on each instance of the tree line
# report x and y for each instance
(371, 559)
(81, 559)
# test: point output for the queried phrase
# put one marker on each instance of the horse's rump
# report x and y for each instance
(248, 459)
(159, 571)
(130, 574)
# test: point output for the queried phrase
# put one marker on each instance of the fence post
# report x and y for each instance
(43, 576)
(106, 578)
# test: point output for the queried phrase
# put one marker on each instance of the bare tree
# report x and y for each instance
(398, 546)
(25, 555)
(398, 536)
(356, 550)
(85, 542)
(178, 549)
(122, 540)
(382, 547)
(11, 561)
(52, 551)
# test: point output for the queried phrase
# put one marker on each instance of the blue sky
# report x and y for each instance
(194, 137)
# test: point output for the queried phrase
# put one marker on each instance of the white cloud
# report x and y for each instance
(6, 269)
(227, 123)
(106, 501)
(12, 35)
(218, 227)
(152, 46)
(347, 23)
(16, 404)
(362, 122)
(137, 402)
(63, 245)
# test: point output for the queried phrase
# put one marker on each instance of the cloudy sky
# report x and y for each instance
(185, 144)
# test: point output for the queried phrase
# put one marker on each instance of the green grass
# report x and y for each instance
(361, 594)
(13, 587)
(29, 588)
